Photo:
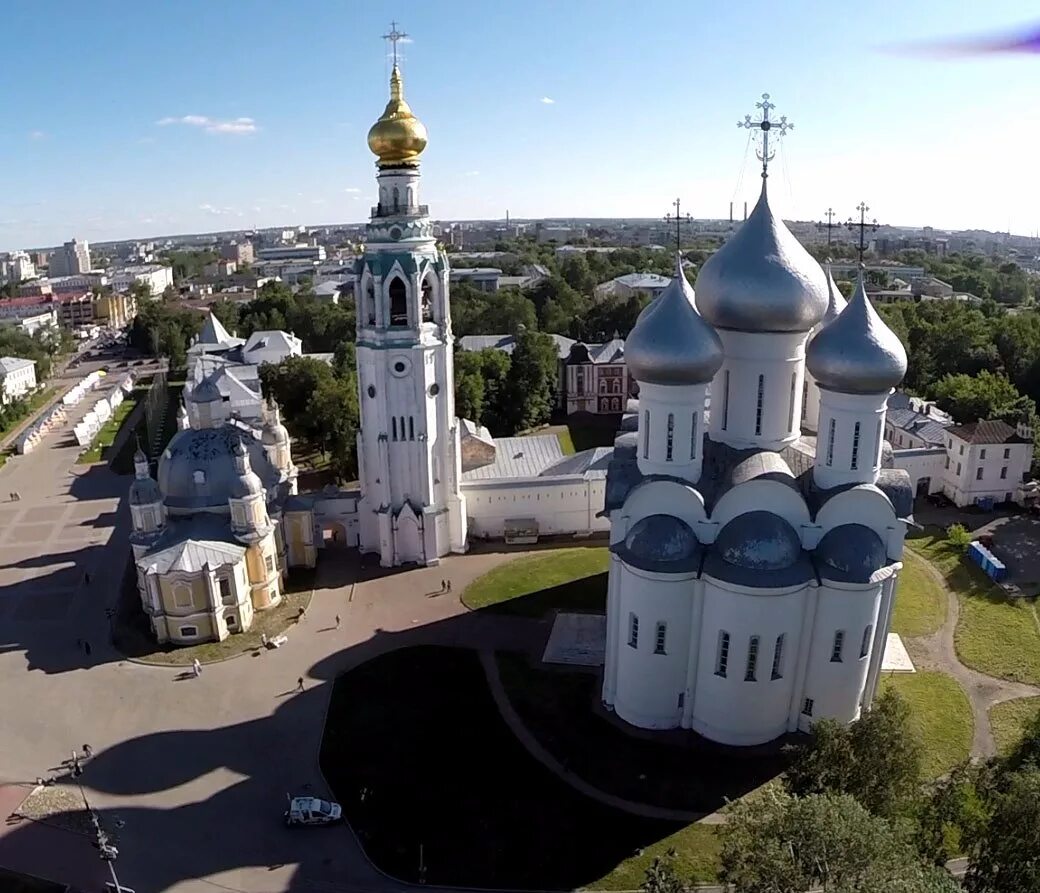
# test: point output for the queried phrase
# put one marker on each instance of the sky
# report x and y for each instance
(129, 120)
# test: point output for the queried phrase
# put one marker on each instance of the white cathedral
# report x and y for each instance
(753, 567)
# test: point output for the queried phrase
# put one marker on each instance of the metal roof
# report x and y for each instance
(519, 457)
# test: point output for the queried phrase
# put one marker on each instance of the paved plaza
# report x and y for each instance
(195, 770)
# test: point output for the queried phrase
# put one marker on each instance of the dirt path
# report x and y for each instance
(938, 652)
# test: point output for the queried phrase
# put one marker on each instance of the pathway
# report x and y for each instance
(938, 651)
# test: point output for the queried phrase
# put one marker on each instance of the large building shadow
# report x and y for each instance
(427, 722)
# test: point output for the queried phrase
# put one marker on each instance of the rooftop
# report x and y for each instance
(993, 431)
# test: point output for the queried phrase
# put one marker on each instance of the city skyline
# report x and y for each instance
(589, 125)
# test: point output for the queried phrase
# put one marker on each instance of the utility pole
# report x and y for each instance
(106, 850)
(862, 226)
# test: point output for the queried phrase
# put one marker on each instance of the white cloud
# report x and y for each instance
(215, 211)
(212, 125)
(472, 174)
(37, 135)
(352, 189)
(545, 100)
(317, 201)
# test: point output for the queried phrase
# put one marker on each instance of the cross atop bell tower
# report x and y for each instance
(394, 36)
(765, 125)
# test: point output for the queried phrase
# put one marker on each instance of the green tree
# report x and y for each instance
(662, 877)
(1003, 859)
(776, 843)
(950, 813)
(987, 395)
(226, 313)
(530, 390)
(469, 385)
(292, 382)
(958, 537)
(332, 420)
(877, 760)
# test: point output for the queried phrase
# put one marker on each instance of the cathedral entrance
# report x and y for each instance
(334, 535)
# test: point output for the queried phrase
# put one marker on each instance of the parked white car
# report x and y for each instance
(312, 811)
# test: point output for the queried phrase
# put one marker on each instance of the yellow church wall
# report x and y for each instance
(173, 591)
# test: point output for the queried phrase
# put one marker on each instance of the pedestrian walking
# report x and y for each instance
(196, 668)
(299, 684)
(88, 751)
(299, 616)
(337, 621)
(86, 647)
(444, 585)
(449, 585)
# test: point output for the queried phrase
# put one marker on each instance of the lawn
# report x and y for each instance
(920, 607)
(582, 432)
(696, 850)
(1008, 720)
(994, 635)
(941, 716)
(677, 770)
(132, 635)
(110, 430)
(574, 578)
(419, 756)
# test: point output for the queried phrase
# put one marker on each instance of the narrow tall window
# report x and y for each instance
(864, 646)
(1003, 473)
(978, 474)
(427, 299)
(752, 659)
(877, 446)
(839, 645)
(646, 437)
(982, 454)
(790, 411)
(855, 446)
(393, 422)
(370, 303)
(397, 198)
(660, 635)
(805, 398)
(778, 658)
(722, 658)
(758, 408)
(411, 427)
(693, 436)
(725, 399)
(830, 443)
(807, 707)
(670, 438)
(633, 631)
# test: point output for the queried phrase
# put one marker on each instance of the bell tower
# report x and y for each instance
(411, 509)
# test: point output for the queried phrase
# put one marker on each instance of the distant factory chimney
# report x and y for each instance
(731, 212)
(745, 210)
(507, 216)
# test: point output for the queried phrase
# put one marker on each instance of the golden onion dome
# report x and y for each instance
(398, 137)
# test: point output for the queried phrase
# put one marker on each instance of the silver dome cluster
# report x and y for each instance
(671, 344)
(856, 353)
(762, 279)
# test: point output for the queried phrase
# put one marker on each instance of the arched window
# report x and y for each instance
(646, 436)
(830, 443)
(761, 398)
(397, 199)
(409, 197)
(722, 657)
(725, 400)
(790, 411)
(752, 659)
(427, 298)
(855, 446)
(398, 302)
(393, 422)
(864, 647)
(670, 438)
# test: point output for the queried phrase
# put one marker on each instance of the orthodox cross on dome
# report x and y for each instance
(678, 219)
(394, 36)
(862, 226)
(830, 224)
(766, 125)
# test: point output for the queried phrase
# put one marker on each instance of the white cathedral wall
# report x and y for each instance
(738, 417)
(762, 495)
(649, 685)
(564, 505)
(868, 506)
(810, 404)
(843, 455)
(836, 686)
(671, 430)
(727, 708)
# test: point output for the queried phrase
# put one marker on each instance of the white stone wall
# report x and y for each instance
(738, 416)
(561, 506)
(849, 441)
(960, 478)
(671, 430)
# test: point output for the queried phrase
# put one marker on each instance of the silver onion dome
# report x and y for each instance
(856, 353)
(762, 279)
(671, 343)
(835, 299)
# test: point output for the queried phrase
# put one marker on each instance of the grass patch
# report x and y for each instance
(994, 635)
(132, 634)
(534, 584)
(940, 715)
(1009, 719)
(696, 859)
(920, 606)
(436, 765)
(110, 430)
(676, 770)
